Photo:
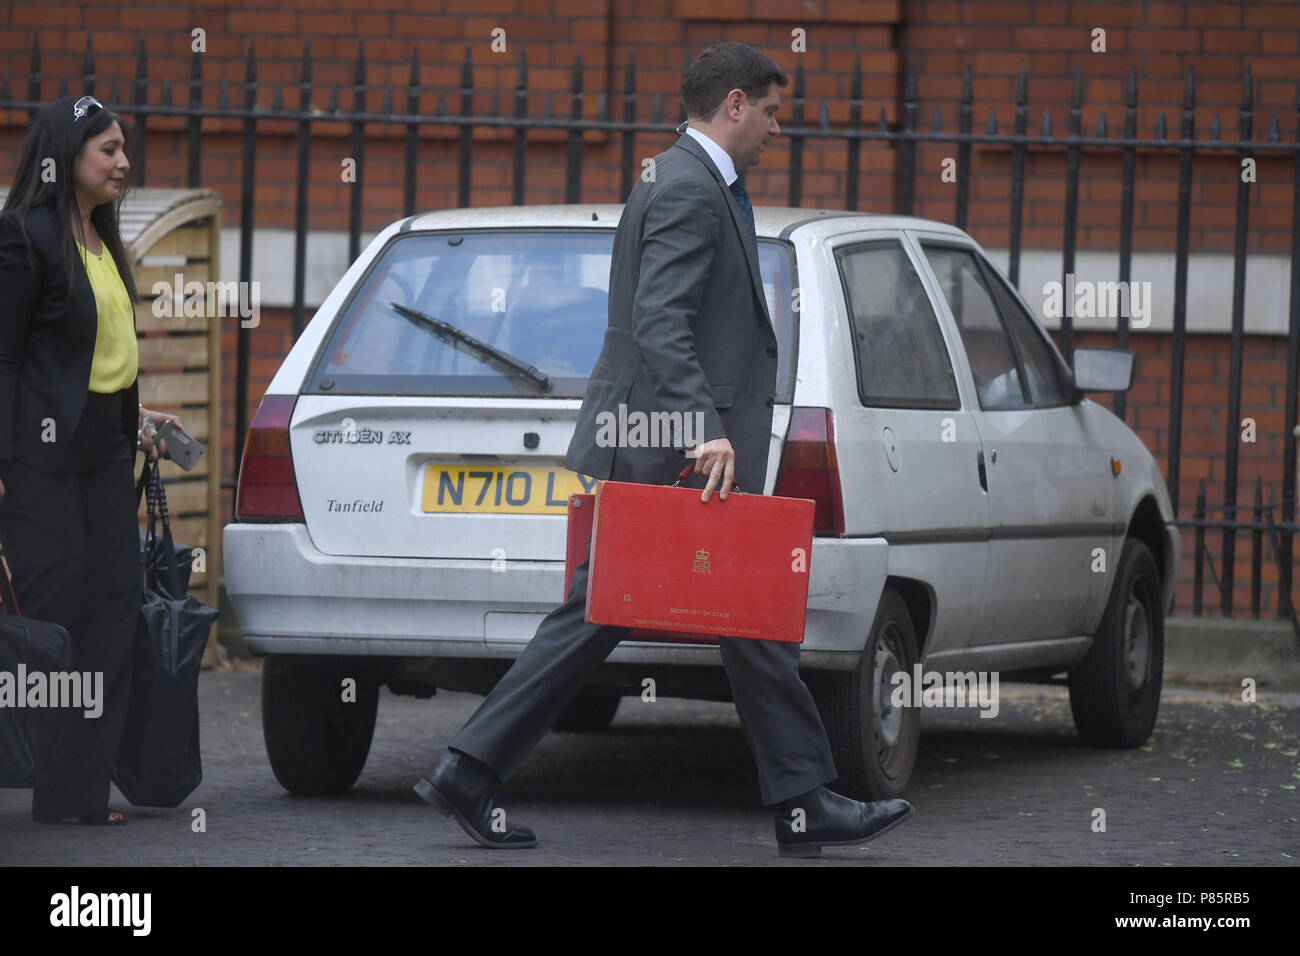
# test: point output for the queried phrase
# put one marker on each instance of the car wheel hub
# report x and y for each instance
(1137, 642)
(888, 717)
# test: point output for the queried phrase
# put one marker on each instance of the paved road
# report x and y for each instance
(672, 783)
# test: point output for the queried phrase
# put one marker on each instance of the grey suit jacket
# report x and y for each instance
(688, 331)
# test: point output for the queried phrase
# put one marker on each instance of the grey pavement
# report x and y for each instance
(672, 783)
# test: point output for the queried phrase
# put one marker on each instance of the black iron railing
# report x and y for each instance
(904, 138)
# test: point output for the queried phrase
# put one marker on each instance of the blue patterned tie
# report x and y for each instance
(742, 200)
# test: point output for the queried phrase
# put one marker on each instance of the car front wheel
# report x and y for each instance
(874, 743)
(1115, 689)
(317, 726)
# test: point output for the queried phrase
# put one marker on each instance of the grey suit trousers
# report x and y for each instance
(780, 720)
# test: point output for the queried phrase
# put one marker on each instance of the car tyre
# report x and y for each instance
(589, 712)
(874, 743)
(316, 741)
(1115, 689)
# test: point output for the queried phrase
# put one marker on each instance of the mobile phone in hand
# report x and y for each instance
(183, 449)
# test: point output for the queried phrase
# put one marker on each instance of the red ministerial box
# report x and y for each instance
(577, 535)
(662, 559)
(582, 513)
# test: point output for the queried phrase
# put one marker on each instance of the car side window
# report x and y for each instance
(901, 358)
(992, 359)
(1044, 367)
(776, 266)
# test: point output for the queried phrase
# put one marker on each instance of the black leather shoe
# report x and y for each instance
(828, 819)
(463, 789)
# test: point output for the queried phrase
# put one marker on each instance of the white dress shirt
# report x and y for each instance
(721, 158)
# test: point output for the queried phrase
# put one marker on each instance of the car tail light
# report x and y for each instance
(268, 488)
(810, 469)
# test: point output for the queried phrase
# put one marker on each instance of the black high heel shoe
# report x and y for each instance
(109, 818)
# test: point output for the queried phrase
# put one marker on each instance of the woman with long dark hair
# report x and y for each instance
(70, 421)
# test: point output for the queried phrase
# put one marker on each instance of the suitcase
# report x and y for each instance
(664, 561)
(26, 645)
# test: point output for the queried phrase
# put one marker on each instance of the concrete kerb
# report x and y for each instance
(1227, 650)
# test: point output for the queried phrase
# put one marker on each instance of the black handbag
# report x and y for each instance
(158, 763)
(26, 645)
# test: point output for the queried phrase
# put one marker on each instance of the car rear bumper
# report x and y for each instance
(292, 599)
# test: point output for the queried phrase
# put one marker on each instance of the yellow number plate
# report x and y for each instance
(465, 489)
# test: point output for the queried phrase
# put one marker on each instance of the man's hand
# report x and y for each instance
(153, 450)
(717, 459)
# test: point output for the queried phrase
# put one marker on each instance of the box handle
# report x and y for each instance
(735, 485)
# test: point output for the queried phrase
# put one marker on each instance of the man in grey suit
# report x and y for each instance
(688, 332)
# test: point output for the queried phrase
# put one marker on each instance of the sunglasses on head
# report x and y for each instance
(85, 106)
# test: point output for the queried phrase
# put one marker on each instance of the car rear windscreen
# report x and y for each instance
(536, 298)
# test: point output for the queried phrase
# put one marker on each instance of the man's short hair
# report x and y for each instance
(722, 68)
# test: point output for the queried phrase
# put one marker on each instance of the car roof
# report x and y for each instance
(770, 222)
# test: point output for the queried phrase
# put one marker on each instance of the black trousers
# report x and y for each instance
(72, 543)
(780, 720)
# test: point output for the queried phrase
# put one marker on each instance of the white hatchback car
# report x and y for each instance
(401, 502)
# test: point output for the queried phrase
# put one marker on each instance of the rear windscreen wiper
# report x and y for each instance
(459, 339)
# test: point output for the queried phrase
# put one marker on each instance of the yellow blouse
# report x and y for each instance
(117, 355)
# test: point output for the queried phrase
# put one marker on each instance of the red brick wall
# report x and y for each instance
(1205, 431)
(1163, 40)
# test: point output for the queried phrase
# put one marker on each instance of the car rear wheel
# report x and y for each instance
(589, 712)
(317, 729)
(1115, 689)
(874, 743)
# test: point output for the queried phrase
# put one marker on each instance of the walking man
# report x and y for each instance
(688, 332)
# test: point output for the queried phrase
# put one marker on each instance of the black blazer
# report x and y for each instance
(47, 342)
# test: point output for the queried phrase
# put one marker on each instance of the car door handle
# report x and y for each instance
(984, 478)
